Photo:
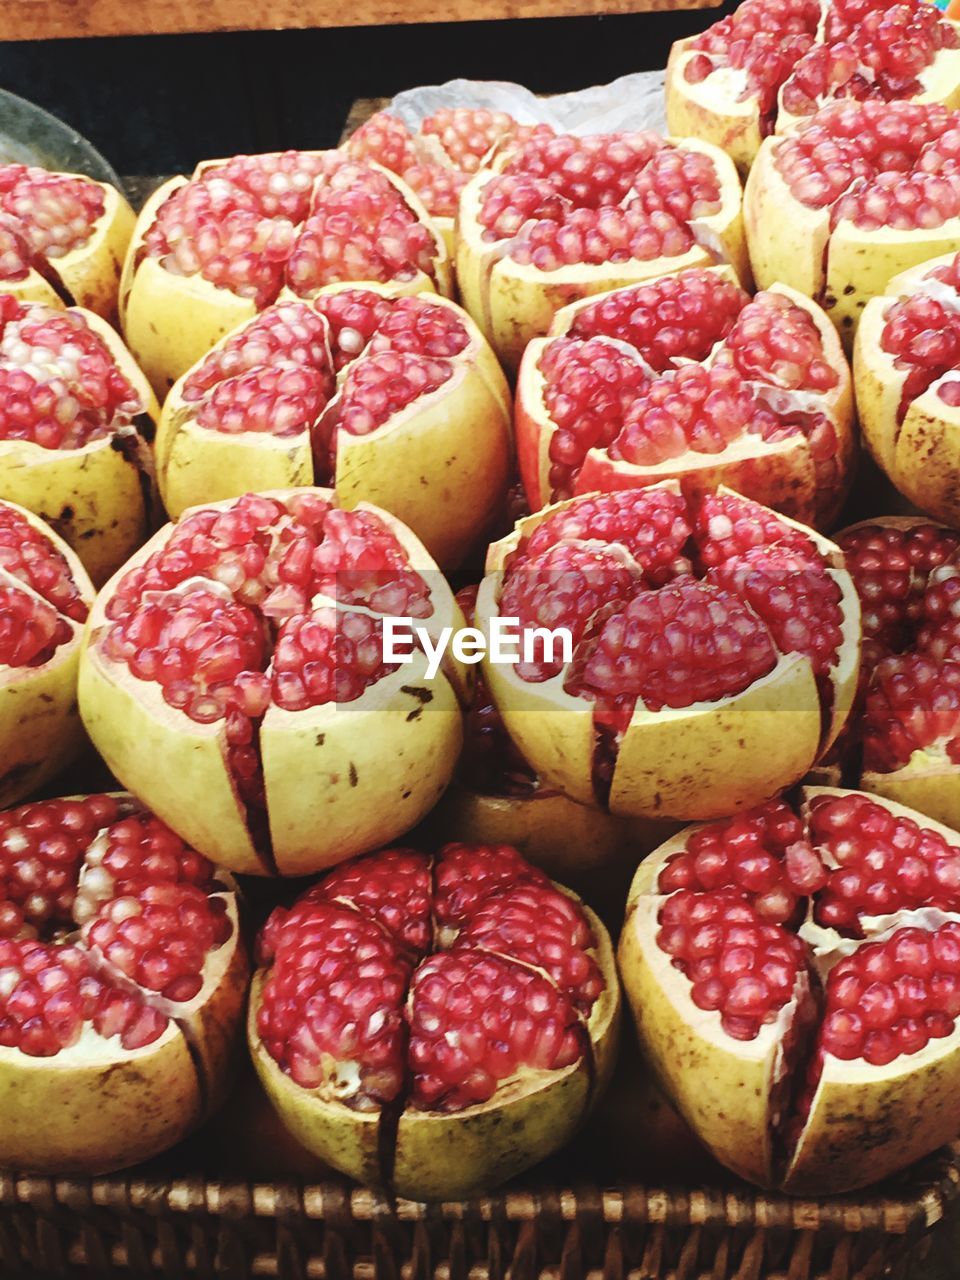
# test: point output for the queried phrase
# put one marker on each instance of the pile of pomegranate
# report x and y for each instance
(399, 402)
(63, 238)
(212, 250)
(715, 648)
(122, 982)
(772, 63)
(795, 980)
(434, 1025)
(686, 376)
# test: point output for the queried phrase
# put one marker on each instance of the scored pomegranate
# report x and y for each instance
(907, 360)
(714, 645)
(212, 250)
(396, 402)
(771, 63)
(45, 596)
(856, 194)
(76, 419)
(805, 964)
(434, 1025)
(63, 237)
(122, 981)
(554, 219)
(688, 377)
(235, 676)
(437, 160)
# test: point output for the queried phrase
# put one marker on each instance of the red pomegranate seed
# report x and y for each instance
(728, 526)
(56, 212)
(30, 630)
(466, 874)
(28, 555)
(393, 887)
(385, 139)
(329, 656)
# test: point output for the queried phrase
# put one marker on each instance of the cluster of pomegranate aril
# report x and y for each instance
(60, 386)
(54, 212)
(408, 981)
(876, 164)
(922, 334)
(147, 909)
(29, 556)
(620, 379)
(298, 219)
(437, 161)
(597, 199)
(909, 698)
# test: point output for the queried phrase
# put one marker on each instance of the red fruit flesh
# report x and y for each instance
(384, 139)
(147, 923)
(16, 257)
(922, 333)
(60, 387)
(55, 212)
(26, 554)
(604, 198)
(467, 134)
(381, 386)
(506, 991)
(329, 656)
(30, 631)
(726, 526)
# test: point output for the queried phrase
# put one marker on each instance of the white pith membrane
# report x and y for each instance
(773, 1105)
(779, 464)
(513, 282)
(781, 50)
(78, 907)
(412, 1090)
(288, 593)
(663, 760)
(843, 230)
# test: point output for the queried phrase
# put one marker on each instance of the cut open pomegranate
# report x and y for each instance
(854, 195)
(122, 980)
(434, 1025)
(212, 250)
(63, 237)
(234, 676)
(806, 963)
(438, 159)
(907, 360)
(771, 63)
(76, 420)
(45, 596)
(715, 649)
(614, 398)
(555, 219)
(399, 402)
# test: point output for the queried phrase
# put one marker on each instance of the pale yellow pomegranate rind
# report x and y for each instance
(731, 123)
(33, 288)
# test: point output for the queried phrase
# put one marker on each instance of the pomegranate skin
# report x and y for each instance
(441, 463)
(435, 1153)
(781, 472)
(815, 248)
(88, 274)
(96, 1106)
(171, 320)
(99, 496)
(695, 760)
(360, 774)
(513, 302)
(859, 1123)
(913, 438)
(40, 729)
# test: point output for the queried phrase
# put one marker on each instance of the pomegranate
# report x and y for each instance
(772, 63)
(397, 402)
(715, 648)
(554, 219)
(805, 964)
(615, 398)
(45, 596)
(907, 358)
(235, 676)
(62, 238)
(497, 798)
(437, 160)
(854, 195)
(212, 250)
(76, 416)
(434, 1025)
(122, 981)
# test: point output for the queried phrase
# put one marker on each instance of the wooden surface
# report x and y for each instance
(47, 19)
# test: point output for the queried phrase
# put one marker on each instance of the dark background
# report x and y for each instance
(158, 104)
